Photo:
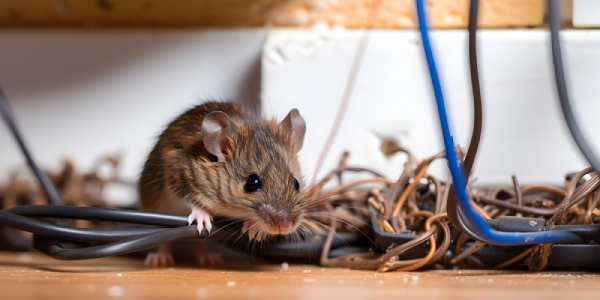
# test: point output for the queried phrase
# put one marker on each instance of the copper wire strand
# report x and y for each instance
(407, 191)
(461, 239)
(394, 192)
(588, 212)
(356, 261)
(515, 259)
(584, 190)
(551, 189)
(433, 254)
(558, 216)
(411, 186)
(439, 193)
(445, 197)
(476, 246)
(517, 191)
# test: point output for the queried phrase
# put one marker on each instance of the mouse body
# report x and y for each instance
(220, 159)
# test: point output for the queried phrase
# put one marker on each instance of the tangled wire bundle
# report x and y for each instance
(416, 204)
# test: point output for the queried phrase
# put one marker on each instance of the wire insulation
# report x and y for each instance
(71, 233)
(561, 86)
(99, 214)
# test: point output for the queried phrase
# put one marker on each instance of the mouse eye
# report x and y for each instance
(296, 183)
(253, 184)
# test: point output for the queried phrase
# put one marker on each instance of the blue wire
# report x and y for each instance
(475, 221)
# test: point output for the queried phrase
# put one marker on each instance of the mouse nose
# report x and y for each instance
(279, 217)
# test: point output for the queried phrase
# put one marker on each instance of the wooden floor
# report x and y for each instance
(34, 276)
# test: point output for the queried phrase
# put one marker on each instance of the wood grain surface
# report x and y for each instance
(34, 276)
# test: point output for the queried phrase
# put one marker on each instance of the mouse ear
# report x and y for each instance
(214, 133)
(294, 125)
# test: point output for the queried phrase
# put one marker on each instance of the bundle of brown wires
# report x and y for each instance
(416, 204)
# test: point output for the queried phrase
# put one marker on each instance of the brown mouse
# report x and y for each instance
(220, 159)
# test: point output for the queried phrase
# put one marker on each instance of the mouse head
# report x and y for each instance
(253, 169)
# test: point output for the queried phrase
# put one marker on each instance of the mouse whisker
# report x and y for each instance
(233, 231)
(250, 241)
(237, 223)
(301, 235)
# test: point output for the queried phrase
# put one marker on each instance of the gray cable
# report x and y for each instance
(561, 86)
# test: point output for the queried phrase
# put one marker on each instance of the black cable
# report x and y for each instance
(125, 246)
(46, 183)
(476, 90)
(64, 242)
(99, 214)
(306, 249)
(71, 233)
(561, 86)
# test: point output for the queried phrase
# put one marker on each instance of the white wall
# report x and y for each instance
(87, 93)
(84, 94)
(524, 132)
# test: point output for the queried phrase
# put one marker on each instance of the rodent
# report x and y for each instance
(220, 158)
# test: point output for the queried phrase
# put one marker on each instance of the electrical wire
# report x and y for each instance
(474, 221)
(71, 233)
(125, 246)
(99, 214)
(454, 213)
(9, 119)
(476, 91)
(561, 86)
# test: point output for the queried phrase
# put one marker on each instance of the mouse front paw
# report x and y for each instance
(203, 219)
